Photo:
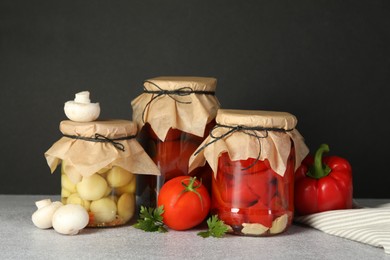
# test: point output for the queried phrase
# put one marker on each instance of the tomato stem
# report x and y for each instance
(190, 187)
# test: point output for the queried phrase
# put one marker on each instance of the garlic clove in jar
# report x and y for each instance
(117, 177)
(75, 199)
(128, 188)
(126, 206)
(65, 193)
(93, 187)
(279, 224)
(67, 184)
(103, 210)
(81, 109)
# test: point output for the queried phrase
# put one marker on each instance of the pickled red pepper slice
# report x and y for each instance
(250, 165)
(255, 191)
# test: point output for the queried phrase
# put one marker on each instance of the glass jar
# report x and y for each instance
(175, 115)
(256, 201)
(253, 181)
(108, 195)
(99, 161)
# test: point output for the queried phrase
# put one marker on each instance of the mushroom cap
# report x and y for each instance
(82, 112)
(42, 217)
(70, 219)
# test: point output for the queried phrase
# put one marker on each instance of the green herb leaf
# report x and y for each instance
(151, 220)
(217, 228)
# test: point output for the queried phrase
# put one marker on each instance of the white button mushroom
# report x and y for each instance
(70, 219)
(81, 109)
(43, 215)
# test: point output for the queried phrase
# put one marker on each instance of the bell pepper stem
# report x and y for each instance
(319, 169)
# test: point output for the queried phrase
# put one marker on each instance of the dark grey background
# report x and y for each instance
(327, 62)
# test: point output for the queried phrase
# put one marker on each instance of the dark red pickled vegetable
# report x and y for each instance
(172, 157)
(249, 191)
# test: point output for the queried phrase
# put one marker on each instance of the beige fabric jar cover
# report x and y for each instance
(264, 133)
(165, 104)
(86, 157)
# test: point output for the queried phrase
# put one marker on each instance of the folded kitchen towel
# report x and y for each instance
(366, 225)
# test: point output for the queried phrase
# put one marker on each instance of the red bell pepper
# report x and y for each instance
(323, 184)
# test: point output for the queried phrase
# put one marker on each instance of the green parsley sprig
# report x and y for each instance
(217, 228)
(151, 220)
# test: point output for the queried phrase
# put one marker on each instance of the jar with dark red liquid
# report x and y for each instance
(174, 122)
(253, 180)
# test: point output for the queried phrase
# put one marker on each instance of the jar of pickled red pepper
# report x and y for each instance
(253, 155)
(175, 114)
(99, 162)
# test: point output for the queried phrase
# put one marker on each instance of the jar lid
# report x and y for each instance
(108, 128)
(184, 103)
(175, 83)
(88, 147)
(256, 118)
(253, 134)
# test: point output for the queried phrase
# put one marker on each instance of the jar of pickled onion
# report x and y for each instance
(99, 163)
(175, 115)
(253, 155)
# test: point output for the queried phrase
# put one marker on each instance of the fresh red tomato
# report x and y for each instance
(186, 202)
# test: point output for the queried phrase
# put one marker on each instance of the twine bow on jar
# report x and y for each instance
(249, 130)
(103, 139)
(183, 91)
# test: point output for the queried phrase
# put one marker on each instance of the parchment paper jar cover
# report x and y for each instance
(241, 146)
(98, 172)
(253, 155)
(174, 114)
(189, 113)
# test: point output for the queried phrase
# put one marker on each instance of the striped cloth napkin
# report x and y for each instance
(366, 225)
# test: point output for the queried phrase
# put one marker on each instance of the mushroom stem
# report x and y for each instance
(42, 203)
(82, 97)
(81, 109)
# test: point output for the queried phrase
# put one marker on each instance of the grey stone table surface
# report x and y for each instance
(20, 239)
